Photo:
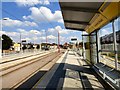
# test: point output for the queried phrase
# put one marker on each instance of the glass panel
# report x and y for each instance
(106, 37)
(117, 30)
(108, 58)
(93, 47)
(107, 55)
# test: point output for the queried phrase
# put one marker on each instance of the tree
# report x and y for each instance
(6, 42)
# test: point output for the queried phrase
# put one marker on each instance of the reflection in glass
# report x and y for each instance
(93, 48)
(117, 30)
(107, 55)
(106, 37)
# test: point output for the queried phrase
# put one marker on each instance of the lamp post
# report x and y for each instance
(58, 42)
(46, 38)
(35, 32)
(20, 41)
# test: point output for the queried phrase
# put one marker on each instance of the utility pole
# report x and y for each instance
(58, 42)
(46, 38)
(20, 41)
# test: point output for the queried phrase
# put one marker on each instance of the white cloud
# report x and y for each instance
(43, 14)
(2, 32)
(31, 2)
(46, 2)
(27, 39)
(51, 37)
(61, 31)
(105, 31)
(10, 33)
(22, 30)
(58, 28)
(25, 35)
(51, 30)
(62, 39)
(12, 23)
(43, 38)
(35, 32)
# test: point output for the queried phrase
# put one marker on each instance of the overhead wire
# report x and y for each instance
(45, 18)
(18, 18)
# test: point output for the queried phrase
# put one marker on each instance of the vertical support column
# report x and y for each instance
(98, 45)
(83, 46)
(1, 40)
(115, 46)
(0, 46)
(1, 43)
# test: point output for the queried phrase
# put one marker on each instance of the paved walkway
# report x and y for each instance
(69, 73)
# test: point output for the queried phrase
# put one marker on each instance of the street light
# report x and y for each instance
(20, 41)
(58, 42)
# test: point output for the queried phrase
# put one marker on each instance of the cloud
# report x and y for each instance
(35, 32)
(43, 38)
(51, 37)
(58, 28)
(27, 39)
(31, 2)
(13, 23)
(46, 2)
(43, 14)
(105, 31)
(29, 36)
(61, 31)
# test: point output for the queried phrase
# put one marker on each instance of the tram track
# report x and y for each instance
(26, 62)
(11, 60)
(21, 71)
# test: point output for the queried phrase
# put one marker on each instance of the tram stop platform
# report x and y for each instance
(70, 72)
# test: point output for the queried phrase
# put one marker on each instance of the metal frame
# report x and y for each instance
(78, 29)
(89, 10)
(115, 46)
(91, 34)
(77, 22)
(97, 45)
(114, 43)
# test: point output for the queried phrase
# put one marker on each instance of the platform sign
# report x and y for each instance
(17, 47)
(73, 39)
(23, 40)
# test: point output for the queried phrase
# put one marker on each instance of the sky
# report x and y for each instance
(33, 20)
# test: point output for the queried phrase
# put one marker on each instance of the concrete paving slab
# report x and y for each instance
(47, 77)
(66, 74)
(72, 80)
